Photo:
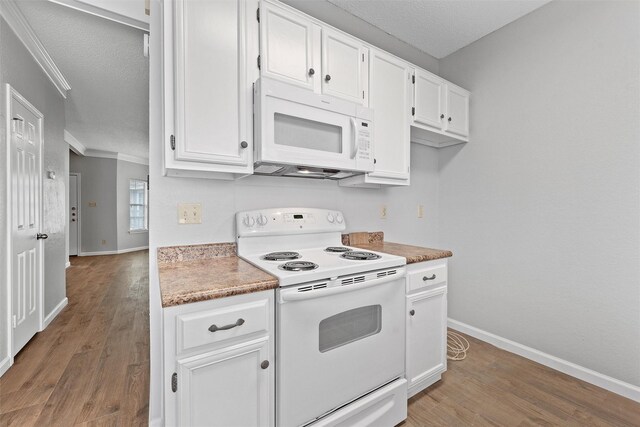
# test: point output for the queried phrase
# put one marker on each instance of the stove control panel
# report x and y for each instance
(288, 221)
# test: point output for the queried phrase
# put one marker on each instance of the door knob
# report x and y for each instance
(264, 364)
(244, 144)
(73, 220)
(327, 78)
(73, 208)
(412, 312)
(41, 236)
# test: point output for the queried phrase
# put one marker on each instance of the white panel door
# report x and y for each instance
(390, 98)
(429, 100)
(426, 334)
(226, 388)
(457, 111)
(289, 47)
(26, 193)
(212, 115)
(73, 214)
(344, 66)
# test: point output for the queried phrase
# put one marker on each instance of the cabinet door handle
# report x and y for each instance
(311, 71)
(412, 312)
(425, 278)
(449, 119)
(214, 328)
(441, 116)
(244, 144)
(41, 236)
(327, 78)
(264, 364)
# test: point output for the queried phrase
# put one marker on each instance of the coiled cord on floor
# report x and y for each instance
(457, 346)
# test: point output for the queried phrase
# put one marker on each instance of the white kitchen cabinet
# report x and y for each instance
(220, 377)
(440, 114)
(345, 71)
(207, 88)
(298, 50)
(426, 356)
(429, 104)
(390, 97)
(289, 46)
(457, 111)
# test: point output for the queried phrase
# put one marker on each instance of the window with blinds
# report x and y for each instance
(138, 205)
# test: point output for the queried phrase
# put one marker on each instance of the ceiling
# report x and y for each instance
(439, 27)
(107, 107)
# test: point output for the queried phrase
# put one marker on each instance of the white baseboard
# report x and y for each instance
(596, 378)
(118, 252)
(67, 265)
(5, 364)
(155, 422)
(55, 312)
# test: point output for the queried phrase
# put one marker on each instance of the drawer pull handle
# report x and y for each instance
(214, 328)
(425, 278)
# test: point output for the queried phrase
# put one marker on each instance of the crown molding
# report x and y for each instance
(11, 13)
(90, 152)
(75, 145)
(91, 9)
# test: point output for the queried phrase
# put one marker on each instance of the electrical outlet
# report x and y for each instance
(92, 204)
(189, 213)
(104, 242)
(383, 212)
(420, 211)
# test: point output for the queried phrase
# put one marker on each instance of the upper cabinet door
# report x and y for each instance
(344, 67)
(211, 107)
(457, 111)
(428, 99)
(390, 98)
(289, 47)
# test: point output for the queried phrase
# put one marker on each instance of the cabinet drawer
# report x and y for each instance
(426, 278)
(218, 325)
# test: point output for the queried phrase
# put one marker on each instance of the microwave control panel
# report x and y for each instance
(363, 140)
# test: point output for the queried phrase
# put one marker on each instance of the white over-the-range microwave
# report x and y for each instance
(304, 134)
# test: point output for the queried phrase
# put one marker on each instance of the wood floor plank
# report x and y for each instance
(24, 417)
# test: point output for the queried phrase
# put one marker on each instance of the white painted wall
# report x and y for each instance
(541, 209)
(18, 68)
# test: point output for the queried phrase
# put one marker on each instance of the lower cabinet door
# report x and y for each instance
(228, 387)
(426, 336)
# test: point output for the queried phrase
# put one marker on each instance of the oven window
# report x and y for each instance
(349, 326)
(307, 134)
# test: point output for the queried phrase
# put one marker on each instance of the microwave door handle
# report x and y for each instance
(354, 144)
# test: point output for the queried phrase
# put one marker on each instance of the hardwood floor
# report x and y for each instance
(90, 367)
(492, 387)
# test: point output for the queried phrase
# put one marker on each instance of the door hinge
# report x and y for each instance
(14, 320)
(258, 14)
(362, 94)
(413, 79)
(172, 142)
(413, 111)
(148, 186)
(363, 57)
(258, 62)
(174, 382)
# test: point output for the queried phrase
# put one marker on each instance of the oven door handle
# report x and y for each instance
(290, 295)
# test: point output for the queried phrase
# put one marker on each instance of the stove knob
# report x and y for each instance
(248, 221)
(330, 217)
(339, 218)
(262, 220)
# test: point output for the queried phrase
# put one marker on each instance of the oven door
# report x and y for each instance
(337, 343)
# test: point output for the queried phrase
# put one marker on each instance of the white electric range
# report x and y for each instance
(340, 324)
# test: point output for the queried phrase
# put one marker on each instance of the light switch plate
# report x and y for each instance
(189, 213)
(383, 212)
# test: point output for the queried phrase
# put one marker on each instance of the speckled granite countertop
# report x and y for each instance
(203, 272)
(413, 254)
